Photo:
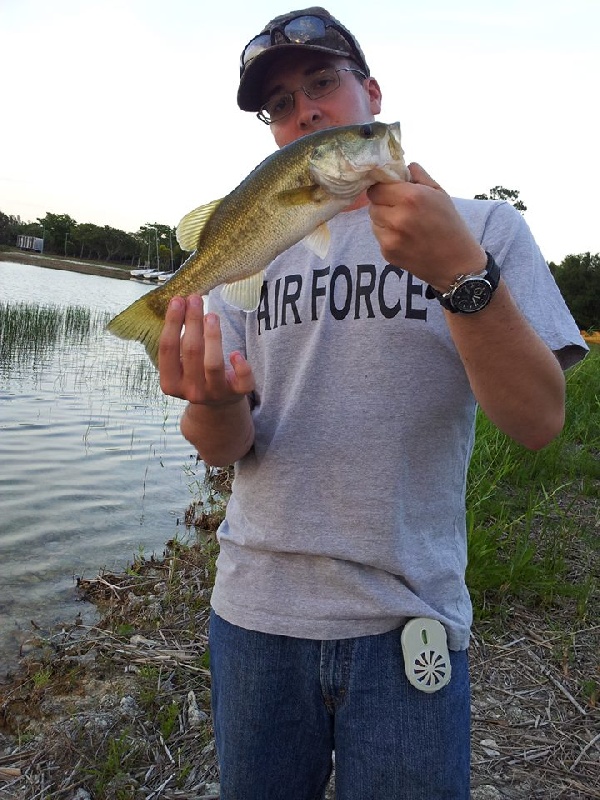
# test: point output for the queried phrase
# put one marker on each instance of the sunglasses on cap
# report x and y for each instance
(308, 30)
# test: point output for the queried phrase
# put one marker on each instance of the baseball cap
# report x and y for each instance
(311, 29)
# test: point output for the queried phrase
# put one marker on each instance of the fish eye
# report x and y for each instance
(366, 131)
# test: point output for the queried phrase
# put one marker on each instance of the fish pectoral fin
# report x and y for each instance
(244, 294)
(319, 240)
(303, 195)
(189, 229)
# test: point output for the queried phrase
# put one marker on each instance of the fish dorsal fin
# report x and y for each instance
(244, 294)
(189, 229)
(319, 240)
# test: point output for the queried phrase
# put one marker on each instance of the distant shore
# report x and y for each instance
(122, 273)
(69, 264)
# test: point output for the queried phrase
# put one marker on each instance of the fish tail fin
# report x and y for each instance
(140, 323)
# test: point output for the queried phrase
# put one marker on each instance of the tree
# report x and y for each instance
(9, 229)
(57, 232)
(578, 278)
(89, 238)
(500, 193)
(169, 250)
(65, 236)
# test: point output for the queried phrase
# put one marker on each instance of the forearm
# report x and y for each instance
(515, 377)
(222, 434)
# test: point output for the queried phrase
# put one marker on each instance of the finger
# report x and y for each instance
(221, 383)
(169, 364)
(192, 341)
(214, 364)
(421, 176)
(241, 379)
(384, 194)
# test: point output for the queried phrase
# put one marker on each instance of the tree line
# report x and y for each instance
(155, 245)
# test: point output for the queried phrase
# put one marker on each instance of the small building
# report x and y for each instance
(30, 243)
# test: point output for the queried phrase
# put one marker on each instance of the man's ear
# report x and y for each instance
(374, 95)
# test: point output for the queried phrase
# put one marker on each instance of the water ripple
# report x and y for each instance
(93, 463)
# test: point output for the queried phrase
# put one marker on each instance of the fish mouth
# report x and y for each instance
(347, 165)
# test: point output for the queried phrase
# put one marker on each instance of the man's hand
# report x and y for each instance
(420, 230)
(192, 365)
(515, 377)
(217, 419)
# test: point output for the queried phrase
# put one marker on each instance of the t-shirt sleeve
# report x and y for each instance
(507, 236)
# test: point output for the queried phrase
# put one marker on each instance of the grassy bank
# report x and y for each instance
(528, 511)
(121, 710)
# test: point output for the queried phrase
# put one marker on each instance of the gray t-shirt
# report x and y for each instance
(348, 514)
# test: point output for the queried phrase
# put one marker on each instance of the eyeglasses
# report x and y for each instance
(322, 83)
(306, 29)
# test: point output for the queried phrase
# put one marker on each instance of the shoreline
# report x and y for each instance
(142, 673)
(70, 265)
(122, 273)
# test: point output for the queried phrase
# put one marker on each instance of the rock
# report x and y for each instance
(195, 717)
(489, 747)
(128, 706)
(141, 641)
(487, 792)
(81, 794)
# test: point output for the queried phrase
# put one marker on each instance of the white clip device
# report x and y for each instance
(426, 658)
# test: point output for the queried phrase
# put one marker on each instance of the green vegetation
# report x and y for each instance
(115, 759)
(153, 244)
(41, 679)
(27, 331)
(578, 277)
(524, 509)
(30, 334)
(501, 193)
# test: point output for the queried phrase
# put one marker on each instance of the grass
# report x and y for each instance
(524, 508)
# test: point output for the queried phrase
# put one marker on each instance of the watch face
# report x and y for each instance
(472, 295)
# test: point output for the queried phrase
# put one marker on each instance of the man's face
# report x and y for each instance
(354, 101)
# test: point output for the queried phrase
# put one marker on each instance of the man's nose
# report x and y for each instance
(307, 111)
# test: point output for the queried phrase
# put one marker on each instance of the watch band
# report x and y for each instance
(490, 275)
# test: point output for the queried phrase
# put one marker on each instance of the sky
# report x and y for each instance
(123, 112)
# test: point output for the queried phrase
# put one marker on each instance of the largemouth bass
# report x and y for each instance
(290, 196)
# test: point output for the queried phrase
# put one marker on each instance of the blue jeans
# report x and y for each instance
(282, 705)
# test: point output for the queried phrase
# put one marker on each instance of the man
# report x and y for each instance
(340, 613)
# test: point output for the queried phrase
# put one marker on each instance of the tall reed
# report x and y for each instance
(33, 337)
(29, 331)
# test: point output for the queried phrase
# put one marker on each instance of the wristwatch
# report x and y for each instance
(469, 293)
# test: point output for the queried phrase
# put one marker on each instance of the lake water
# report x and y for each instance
(93, 468)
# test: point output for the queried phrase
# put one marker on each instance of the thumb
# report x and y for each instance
(419, 175)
